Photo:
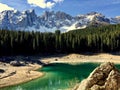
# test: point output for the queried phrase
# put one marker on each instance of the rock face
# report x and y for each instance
(49, 21)
(15, 20)
(105, 77)
(115, 20)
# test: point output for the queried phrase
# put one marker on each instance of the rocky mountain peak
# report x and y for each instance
(63, 16)
(30, 12)
(56, 15)
(50, 21)
(93, 13)
(47, 15)
(117, 17)
(104, 77)
(115, 20)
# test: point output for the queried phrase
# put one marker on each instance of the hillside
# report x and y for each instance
(91, 39)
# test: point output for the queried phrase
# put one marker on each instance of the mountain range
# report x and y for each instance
(50, 21)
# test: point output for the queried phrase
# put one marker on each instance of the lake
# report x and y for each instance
(58, 76)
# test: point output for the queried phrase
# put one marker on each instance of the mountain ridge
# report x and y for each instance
(50, 21)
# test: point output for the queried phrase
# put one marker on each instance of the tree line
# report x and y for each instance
(91, 39)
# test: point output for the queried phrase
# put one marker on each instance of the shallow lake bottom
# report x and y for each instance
(58, 76)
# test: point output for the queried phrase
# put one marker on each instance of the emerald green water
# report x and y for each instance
(58, 77)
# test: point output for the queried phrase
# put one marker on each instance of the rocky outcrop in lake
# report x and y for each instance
(104, 77)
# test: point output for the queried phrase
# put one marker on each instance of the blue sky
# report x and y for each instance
(110, 8)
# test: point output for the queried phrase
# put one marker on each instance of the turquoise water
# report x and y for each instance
(58, 77)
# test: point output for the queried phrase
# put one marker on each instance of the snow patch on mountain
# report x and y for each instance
(50, 21)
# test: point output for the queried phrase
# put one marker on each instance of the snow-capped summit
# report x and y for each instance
(15, 20)
(115, 20)
(93, 16)
(49, 21)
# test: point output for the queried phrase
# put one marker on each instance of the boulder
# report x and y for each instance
(104, 77)
(15, 63)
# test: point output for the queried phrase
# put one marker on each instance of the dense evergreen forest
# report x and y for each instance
(91, 39)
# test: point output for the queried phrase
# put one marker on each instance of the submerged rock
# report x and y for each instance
(104, 77)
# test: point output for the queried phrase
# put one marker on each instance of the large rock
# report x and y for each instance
(15, 63)
(104, 77)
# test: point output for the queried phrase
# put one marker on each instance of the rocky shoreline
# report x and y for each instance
(12, 75)
(104, 77)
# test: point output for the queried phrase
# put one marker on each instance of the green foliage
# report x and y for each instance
(91, 39)
(57, 32)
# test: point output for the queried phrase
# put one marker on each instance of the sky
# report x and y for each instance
(109, 8)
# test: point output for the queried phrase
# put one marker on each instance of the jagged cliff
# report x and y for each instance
(104, 77)
(49, 21)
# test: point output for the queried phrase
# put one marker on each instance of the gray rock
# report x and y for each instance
(49, 21)
(15, 63)
(104, 77)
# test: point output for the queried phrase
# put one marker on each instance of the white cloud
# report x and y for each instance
(5, 7)
(41, 3)
(116, 2)
(58, 1)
